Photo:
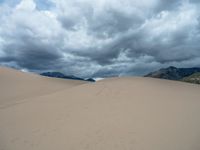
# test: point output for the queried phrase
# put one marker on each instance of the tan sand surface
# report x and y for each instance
(113, 114)
(16, 86)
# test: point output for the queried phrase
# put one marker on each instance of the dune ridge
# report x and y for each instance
(17, 86)
(131, 113)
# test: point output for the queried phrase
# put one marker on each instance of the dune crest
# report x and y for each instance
(17, 86)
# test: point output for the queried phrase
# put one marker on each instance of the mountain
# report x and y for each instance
(173, 73)
(194, 78)
(63, 76)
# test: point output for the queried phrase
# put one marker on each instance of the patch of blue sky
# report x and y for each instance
(10, 2)
(40, 4)
(43, 4)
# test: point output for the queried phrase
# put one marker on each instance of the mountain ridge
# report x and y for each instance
(173, 73)
(63, 76)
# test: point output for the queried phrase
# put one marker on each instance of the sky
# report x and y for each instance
(99, 38)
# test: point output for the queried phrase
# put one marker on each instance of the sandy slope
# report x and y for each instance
(112, 114)
(16, 86)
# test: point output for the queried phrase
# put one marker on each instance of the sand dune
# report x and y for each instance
(17, 86)
(112, 114)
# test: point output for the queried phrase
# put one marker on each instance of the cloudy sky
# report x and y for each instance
(99, 38)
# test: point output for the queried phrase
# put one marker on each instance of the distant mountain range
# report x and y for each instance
(191, 75)
(173, 73)
(194, 78)
(63, 76)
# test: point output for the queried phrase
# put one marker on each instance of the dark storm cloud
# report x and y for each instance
(31, 56)
(100, 38)
(113, 22)
(168, 4)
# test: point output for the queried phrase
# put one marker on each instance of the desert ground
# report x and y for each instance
(128, 113)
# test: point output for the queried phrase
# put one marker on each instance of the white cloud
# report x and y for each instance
(26, 5)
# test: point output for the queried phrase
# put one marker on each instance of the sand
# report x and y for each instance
(129, 113)
(17, 86)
